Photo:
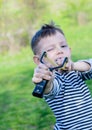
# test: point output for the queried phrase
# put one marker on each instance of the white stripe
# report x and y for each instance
(72, 104)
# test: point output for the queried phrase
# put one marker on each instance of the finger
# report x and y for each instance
(41, 71)
(47, 77)
(36, 80)
(43, 75)
(43, 66)
(69, 65)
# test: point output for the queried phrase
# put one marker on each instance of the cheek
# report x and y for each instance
(68, 53)
(51, 55)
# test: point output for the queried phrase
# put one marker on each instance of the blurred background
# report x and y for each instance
(19, 20)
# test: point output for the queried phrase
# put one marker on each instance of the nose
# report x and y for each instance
(59, 49)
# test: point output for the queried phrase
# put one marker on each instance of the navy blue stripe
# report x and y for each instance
(72, 106)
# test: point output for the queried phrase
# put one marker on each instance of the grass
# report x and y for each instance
(19, 110)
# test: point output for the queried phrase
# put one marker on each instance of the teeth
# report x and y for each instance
(59, 61)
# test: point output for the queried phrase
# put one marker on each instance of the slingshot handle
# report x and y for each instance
(39, 88)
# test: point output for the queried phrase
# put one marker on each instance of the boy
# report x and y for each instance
(66, 92)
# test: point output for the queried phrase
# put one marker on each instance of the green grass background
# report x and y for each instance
(19, 110)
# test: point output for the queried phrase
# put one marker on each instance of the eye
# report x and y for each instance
(63, 46)
(50, 49)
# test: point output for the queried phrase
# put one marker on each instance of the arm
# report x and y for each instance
(77, 66)
(84, 68)
(57, 86)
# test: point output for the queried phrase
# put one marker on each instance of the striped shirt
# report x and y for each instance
(71, 101)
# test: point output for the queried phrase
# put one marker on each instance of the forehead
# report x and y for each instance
(52, 39)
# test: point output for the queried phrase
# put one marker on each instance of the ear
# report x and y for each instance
(36, 59)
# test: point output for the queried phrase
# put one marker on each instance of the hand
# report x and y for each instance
(69, 65)
(41, 72)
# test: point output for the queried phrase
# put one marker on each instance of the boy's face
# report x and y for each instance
(55, 46)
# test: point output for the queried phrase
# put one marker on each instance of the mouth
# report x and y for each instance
(59, 60)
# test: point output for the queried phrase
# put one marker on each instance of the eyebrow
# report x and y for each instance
(63, 42)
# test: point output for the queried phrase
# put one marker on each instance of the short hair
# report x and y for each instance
(46, 30)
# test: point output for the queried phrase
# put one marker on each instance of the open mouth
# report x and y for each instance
(59, 60)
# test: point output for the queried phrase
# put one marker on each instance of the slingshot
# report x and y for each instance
(40, 87)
